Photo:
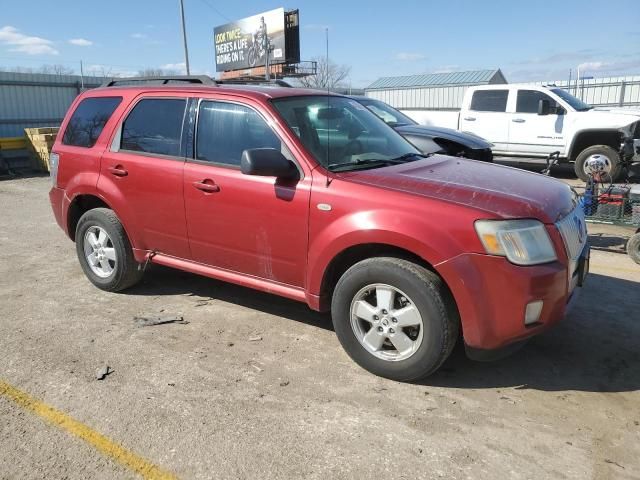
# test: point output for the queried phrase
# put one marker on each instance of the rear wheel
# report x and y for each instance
(633, 248)
(394, 318)
(604, 152)
(104, 251)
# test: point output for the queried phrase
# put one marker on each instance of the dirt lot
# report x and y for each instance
(255, 386)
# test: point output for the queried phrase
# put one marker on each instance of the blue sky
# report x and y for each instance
(528, 40)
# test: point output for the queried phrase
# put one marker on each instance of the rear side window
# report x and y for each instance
(489, 100)
(88, 120)
(154, 126)
(225, 130)
(528, 101)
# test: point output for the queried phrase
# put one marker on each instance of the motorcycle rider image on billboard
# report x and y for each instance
(246, 43)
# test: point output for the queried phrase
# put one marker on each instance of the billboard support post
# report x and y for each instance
(184, 38)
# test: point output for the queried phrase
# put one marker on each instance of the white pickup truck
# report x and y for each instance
(535, 121)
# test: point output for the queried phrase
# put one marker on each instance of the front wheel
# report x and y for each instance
(394, 318)
(104, 251)
(633, 247)
(604, 152)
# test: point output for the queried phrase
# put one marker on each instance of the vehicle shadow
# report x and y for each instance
(159, 280)
(595, 349)
(609, 243)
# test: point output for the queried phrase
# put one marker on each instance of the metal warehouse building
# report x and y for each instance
(37, 100)
(436, 91)
(445, 91)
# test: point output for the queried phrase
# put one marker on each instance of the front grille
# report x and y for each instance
(573, 229)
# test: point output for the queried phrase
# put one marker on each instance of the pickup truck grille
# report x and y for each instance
(573, 229)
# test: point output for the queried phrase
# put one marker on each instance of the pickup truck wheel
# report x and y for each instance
(104, 251)
(394, 318)
(633, 248)
(595, 151)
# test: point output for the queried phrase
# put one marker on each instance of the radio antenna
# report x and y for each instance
(326, 79)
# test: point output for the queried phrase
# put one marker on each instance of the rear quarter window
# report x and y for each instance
(489, 100)
(88, 121)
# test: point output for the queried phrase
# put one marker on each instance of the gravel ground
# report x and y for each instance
(256, 386)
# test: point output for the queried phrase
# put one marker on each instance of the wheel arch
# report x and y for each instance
(353, 254)
(589, 138)
(82, 203)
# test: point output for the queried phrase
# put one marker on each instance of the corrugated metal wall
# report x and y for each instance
(37, 100)
(606, 91)
(426, 98)
(611, 91)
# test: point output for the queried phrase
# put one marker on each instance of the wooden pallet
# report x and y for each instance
(39, 143)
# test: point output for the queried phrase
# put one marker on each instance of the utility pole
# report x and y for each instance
(184, 38)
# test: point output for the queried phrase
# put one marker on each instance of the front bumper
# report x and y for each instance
(492, 295)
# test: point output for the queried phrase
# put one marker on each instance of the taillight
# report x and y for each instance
(54, 160)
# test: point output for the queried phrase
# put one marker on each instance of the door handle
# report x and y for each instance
(118, 171)
(470, 119)
(518, 120)
(206, 187)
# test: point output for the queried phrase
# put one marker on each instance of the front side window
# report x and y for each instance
(225, 130)
(154, 126)
(88, 120)
(489, 100)
(342, 134)
(528, 101)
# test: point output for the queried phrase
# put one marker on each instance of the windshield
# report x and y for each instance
(342, 134)
(576, 103)
(390, 115)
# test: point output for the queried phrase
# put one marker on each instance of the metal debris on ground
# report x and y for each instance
(256, 366)
(255, 338)
(102, 373)
(162, 320)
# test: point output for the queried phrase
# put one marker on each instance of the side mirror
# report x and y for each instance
(267, 162)
(544, 107)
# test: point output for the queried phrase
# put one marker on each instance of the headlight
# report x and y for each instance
(523, 242)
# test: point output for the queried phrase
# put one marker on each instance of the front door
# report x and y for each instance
(248, 224)
(535, 134)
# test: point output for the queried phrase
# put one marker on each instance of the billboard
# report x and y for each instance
(245, 43)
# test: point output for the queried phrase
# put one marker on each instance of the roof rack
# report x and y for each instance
(253, 81)
(163, 80)
(192, 80)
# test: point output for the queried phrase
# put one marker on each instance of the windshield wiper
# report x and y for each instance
(340, 167)
(407, 156)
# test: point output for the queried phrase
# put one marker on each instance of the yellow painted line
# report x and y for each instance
(80, 430)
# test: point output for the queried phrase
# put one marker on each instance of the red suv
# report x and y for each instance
(312, 197)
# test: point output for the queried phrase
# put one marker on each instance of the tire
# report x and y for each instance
(424, 292)
(633, 248)
(604, 150)
(114, 250)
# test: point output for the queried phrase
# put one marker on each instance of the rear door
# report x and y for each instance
(487, 117)
(248, 224)
(142, 173)
(535, 134)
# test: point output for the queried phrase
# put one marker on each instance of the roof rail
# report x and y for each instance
(253, 81)
(161, 80)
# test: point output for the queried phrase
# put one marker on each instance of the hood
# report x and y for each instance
(607, 118)
(466, 139)
(503, 192)
(623, 111)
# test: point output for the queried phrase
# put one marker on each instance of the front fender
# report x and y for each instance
(408, 231)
